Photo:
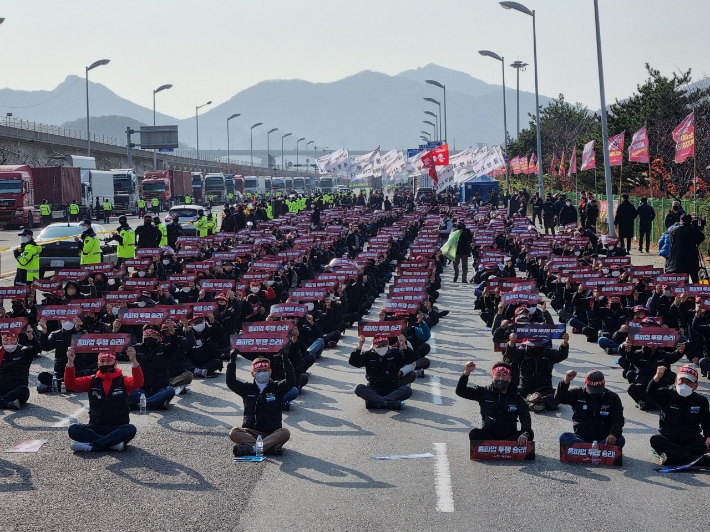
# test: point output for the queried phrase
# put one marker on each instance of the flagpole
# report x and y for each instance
(695, 186)
(621, 174)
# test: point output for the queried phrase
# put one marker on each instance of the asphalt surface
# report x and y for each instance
(178, 472)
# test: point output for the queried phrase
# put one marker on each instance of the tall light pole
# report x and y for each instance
(197, 127)
(426, 133)
(520, 7)
(307, 144)
(98, 63)
(161, 88)
(488, 53)
(251, 144)
(436, 118)
(299, 140)
(605, 129)
(268, 150)
(518, 66)
(436, 102)
(429, 122)
(282, 149)
(423, 138)
(446, 120)
(229, 160)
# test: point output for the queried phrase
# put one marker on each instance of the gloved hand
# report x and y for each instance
(233, 356)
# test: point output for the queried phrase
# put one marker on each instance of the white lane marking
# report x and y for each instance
(71, 418)
(435, 383)
(444, 494)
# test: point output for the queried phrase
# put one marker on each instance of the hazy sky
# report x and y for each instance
(212, 49)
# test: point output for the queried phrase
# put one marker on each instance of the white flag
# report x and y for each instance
(462, 172)
(394, 166)
(367, 165)
(415, 164)
(339, 160)
(464, 158)
(493, 160)
(446, 178)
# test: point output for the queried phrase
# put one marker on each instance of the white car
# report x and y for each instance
(187, 214)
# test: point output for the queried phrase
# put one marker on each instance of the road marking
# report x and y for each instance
(71, 418)
(444, 494)
(435, 383)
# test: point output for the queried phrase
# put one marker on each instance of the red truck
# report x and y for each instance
(170, 186)
(17, 196)
(239, 184)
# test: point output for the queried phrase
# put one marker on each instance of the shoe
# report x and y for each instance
(120, 447)
(166, 404)
(640, 251)
(662, 457)
(456, 278)
(80, 447)
(369, 405)
(575, 330)
(43, 388)
(419, 373)
(276, 450)
(464, 281)
(647, 251)
(202, 373)
(242, 450)
(641, 405)
(332, 344)
(178, 390)
(610, 351)
(13, 405)
(443, 313)
(393, 405)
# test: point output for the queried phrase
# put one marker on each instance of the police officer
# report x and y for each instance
(597, 413)
(211, 225)
(107, 210)
(201, 224)
(74, 211)
(46, 211)
(141, 207)
(684, 413)
(126, 238)
(211, 199)
(155, 203)
(27, 256)
(230, 195)
(89, 244)
(501, 406)
(163, 228)
(188, 199)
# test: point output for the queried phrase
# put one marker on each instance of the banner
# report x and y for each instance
(589, 158)
(368, 165)
(638, 150)
(269, 327)
(541, 330)
(434, 177)
(501, 450)
(573, 162)
(291, 310)
(57, 312)
(129, 316)
(524, 165)
(616, 149)
(99, 343)
(553, 163)
(446, 178)
(394, 166)
(561, 171)
(12, 325)
(532, 165)
(515, 165)
(373, 329)
(493, 160)
(257, 343)
(463, 158)
(654, 336)
(584, 453)
(437, 157)
(684, 136)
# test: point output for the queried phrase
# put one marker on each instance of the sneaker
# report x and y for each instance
(13, 405)
(43, 388)
(610, 351)
(419, 373)
(286, 406)
(575, 330)
(80, 447)
(393, 405)
(443, 313)
(369, 405)
(333, 344)
(661, 457)
(202, 373)
(464, 281)
(641, 405)
(242, 450)
(178, 390)
(276, 450)
(120, 447)
(166, 404)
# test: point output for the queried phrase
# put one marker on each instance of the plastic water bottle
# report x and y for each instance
(62, 388)
(259, 447)
(55, 384)
(596, 458)
(142, 403)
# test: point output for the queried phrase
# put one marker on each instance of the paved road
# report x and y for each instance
(179, 473)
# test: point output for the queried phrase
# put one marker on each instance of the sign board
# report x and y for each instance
(158, 137)
(584, 453)
(501, 450)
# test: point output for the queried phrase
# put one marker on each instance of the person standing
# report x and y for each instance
(201, 224)
(683, 253)
(463, 251)
(646, 215)
(583, 209)
(148, 236)
(141, 207)
(175, 231)
(155, 203)
(27, 257)
(74, 211)
(126, 238)
(624, 220)
(592, 214)
(548, 214)
(107, 210)
(89, 244)
(537, 205)
(46, 211)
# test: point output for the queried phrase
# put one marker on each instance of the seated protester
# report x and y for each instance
(535, 360)
(311, 336)
(178, 373)
(154, 360)
(278, 370)
(417, 334)
(383, 367)
(488, 303)
(262, 406)
(200, 346)
(609, 319)
(501, 406)
(684, 414)
(227, 315)
(167, 265)
(645, 361)
(582, 300)
(432, 315)
(597, 413)
(660, 305)
(108, 391)
(682, 312)
(188, 293)
(410, 357)
(60, 341)
(15, 362)
(301, 359)
(328, 321)
(611, 343)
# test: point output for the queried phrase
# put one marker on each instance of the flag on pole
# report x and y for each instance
(434, 177)
(532, 166)
(562, 164)
(524, 165)
(638, 150)
(684, 136)
(437, 157)
(553, 163)
(589, 157)
(515, 165)
(573, 162)
(616, 149)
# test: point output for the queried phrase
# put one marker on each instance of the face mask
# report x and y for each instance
(254, 289)
(141, 274)
(309, 306)
(10, 348)
(270, 283)
(683, 390)
(262, 377)
(71, 292)
(166, 261)
(605, 270)
(112, 282)
(150, 341)
(615, 273)
(381, 351)
(522, 319)
(25, 239)
(568, 203)
(667, 293)
(199, 327)
(67, 325)
(532, 309)
(615, 306)
(222, 306)
(114, 311)
(186, 289)
(141, 304)
(107, 369)
(500, 385)
(612, 246)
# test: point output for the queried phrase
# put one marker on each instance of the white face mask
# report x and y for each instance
(615, 273)
(68, 326)
(114, 311)
(270, 283)
(25, 239)
(532, 309)
(166, 261)
(568, 203)
(141, 304)
(186, 289)
(199, 327)
(683, 390)
(254, 289)
(309, 306)
(667, 293)
(577, 253)
(262, 377)
(10, 348)
(112, 282)
(605, 270)
(141, 274)
(612, 246)
(382, 351)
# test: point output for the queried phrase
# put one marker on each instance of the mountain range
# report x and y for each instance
(358, 112)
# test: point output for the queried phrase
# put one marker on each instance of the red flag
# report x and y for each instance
(436, 157)
(532, 166)
(553, 163)
(434, 177)
(589, 157)
(638, 150)
(616, 149)
(524, 169)
(562, 164)
(573, 162)
(515, 165)
(684, 136)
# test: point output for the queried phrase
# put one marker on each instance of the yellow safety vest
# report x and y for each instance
(211, 197)
(164, 234)
(230, 195)
(91, 251)
(127, 250)
(188, 200)
(201, 226)
(141, 204)
(211, 226)
(107, 206)
(155, 202)
(29, 261)
(45, 209)
(73, 208)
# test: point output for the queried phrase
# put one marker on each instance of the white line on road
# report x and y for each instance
(435, 383)
(71, 418)
(444, 494)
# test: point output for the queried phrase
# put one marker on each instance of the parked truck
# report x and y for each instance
(215, 186)
(239, 184)
(125, 191)
(169, 186)
(60, 186)
(251, 184)
(17, 196)
(198, 188)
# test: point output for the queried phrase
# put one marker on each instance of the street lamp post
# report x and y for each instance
(520, 7)
(268, 151)
(605, 128)
(251, 144)
(436, 119)
(98, 63)
(197, 127)
(446, 119)
(518, 65)
(428, 135)
(161, 88)
(429, 122)
(282, 149)
(436, 102)
(229, 160)
(299, 140)
(307, 144)
(488, 53)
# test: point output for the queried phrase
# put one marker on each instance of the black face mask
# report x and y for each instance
(18, 308)
(222, 306)
(107, 369)
(147, 223)
(615, 306)
(500, 385)
(150, 341)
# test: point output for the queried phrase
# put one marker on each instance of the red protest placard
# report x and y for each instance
(256, 277)
(12, 325)
(229, 256)
(372, 329)
(100, 343)
(698, 290)
(71, 275)
(176, 312)
(200, 310)
(308, 295)
(654, 336)
(408, 289)
(584, 453)
(265, 265)
(148, 252)
(623, 289)
(90, 305)
(101, 267)
(513, 298)
(46, 286)
(117, 297)
(288, 310)
(269, 328)
(393, 306)
(140, 284)
(217, 285)
(501, 450)
(258, 343)
(59, 312)
(153, 316)
(615, 262)
(137, 263)
(198, 266)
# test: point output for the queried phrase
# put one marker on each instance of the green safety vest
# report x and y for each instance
(155, 202)
(107, 206)
(127, 250)
(230, 195)
(211, 226)
(45, 209)
(188, 200)
(29, 261)
(91, 251)
(73, 208)
(270, 212)
(211, 196)
(201, 226)
(141, 204)
(163, 234)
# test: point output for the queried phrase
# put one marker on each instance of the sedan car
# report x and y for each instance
(64, 253)
(188, 214)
